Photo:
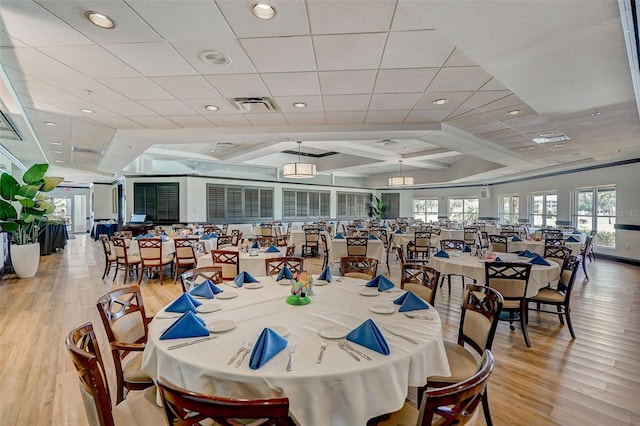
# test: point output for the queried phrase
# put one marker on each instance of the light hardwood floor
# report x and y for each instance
(593, 380)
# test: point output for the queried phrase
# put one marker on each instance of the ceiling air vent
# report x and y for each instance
(86, 150)
(255, 105)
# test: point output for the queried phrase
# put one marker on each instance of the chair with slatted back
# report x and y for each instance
(420, 279)
(357, 246)
(224, 230)
(291, 250)
(557, 254)
(550, 241)
(584, 253)
(236, 237)
(123, 234)
(125, 323)
(266, 232)
(311, 242)
(185, 255)
(110, 259)
(272, 266)
(225, 241)
(229, 260)
(324, 245)
(499, 243)
(509, 234)
(591, 253)
(350, 230)
(360, 267)
(553, 233)
(452, 244)
(152, 259)
(511, 279)
(139, 408)
(125, 262)
(185, 408)
(279, 239)
(193, 277)
(470, 235)
(420, 247)
(211, 229)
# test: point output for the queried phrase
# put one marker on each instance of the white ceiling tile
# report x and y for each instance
(187, 87)
(39, 90)
(502, 102)
(91, 60)
(230, 47)
(235, 120)
(128, 108)
(152, 59)
(156, 122)
(136, 88)
(267, 119)
(347, 82)
(281, 54)
(459, 79)
(190, 121)
(291, 84)
(458, 59)
(76, 107)
(455, 100)
(239, 85)
(416, 49)
(290, 19)
(7, 41)
(501, 114)
(471, 121)
(351, 16)
(404, 80)
(480, 99)
(349, 51)
(427, 116)
(314, 104)
(87, 89)
(486, 128)
(345, 117)
(15, 75)
(493, 84)
(168, 107)
(224, 106)
(306, 118)
(393, 101)
(417, 15)
(346, 102)
(36, 64)
(385, 117)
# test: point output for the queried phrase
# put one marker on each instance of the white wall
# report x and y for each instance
(103, 201)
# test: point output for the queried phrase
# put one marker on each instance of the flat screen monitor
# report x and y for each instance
(138, 218)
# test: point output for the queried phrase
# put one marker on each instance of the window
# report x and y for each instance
(352, 205)
(227, 203)
(595, 208)
(160, 202)
(463, 209)
(426, 209)
(509, 209)
(544, 208)
(305, 204)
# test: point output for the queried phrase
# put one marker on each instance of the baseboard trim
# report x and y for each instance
(628, 261)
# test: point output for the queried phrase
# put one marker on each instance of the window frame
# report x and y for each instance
(595, 216)
(157, 210)
(464, 214)
(544, 215)
(304, 205)
(513, 216)
(243, 195)
(356, 205)
(424, 215)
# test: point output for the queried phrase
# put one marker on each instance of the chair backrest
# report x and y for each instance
(266, 230)
(557, 253)
(120, 247)
(106, 247)
(225, 241)
(420, 279)
(211, 229)
(123, 234)
(400, 254)
(185, 248)
(586, 248)
(350, 230)
(553, 233)
(186, 408)
(456, 404)
(361, 267)
(568, 276)
(509, 234)
(229, 260)
(236, 237)
(150, 249)
(123, 315)
(421, 240)
(193, 277)
(272, 266)
(225, 229)
(357, 246)
(470, 235)
(290, 250)
(551, 241)
(311, 237)
(499, 243)
(509, 278)
(452, 244)
(83, 349)
(481, 307)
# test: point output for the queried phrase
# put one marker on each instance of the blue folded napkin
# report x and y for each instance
(164, 239)
(359, 227)
(148, 235)
(206, 289)
(279, 224)
(268, 345)
(213, 235)
(205, 237)
(244, 277)
(539, 260)
(381, 282)
(466, 248)
(285, 273)
(528, 254)
(572, 240)
(272, 249)
(184, 303)
(137, 237)
(339, 236)
(497, 259)
(188, 325)
(314, 223)
(575, 231)
(373, 237)
(369, 335)
(441, 253)
(399, 231)
(410, 302)
(332, 223)
(255, 245)
(515, 238)
(326, 274)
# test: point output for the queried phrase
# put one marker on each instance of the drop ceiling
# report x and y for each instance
(368, 71)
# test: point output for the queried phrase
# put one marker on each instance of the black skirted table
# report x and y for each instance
(103, 228)
(53, 237)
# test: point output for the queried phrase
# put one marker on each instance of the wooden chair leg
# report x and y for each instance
(485, 408)
(569, 324)
(523, 325)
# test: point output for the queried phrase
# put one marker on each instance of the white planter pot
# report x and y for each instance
(25, 259)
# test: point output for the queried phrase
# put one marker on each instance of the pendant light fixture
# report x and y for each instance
(299, 170)
(400, 180)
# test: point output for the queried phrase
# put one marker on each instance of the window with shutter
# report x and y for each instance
(238, 203)
(160, 202)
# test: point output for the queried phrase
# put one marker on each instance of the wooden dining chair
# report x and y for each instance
(229, 260)
(225, 241)
(420, 247)
(557, 254)
(365, 268)
(185, 255)
(420, 279)
(554, 241)
(125, 262)
(186, 408)
(152, 259)
(139, 407)
(357, 246)
(125, 323)
(311, 242)
(587, 248)
(193, 277)
(123, 234)
(499, 243)
(470, 235)
(452, 244)
(273, 265)
(110, 259)
(324, 245)
(290, 252)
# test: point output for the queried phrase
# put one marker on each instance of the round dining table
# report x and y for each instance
(251, 262)
(537, 247)
(340, 390)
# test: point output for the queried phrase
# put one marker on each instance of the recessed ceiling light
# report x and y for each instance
(211, 107)
(213, 150)
(552, 139)
(440, 101)
(263, 11)
(515, 112)
(55, 143)
(87, 110)
(546, 134)
(595, 114)
(50, 123)
(214, 57)
(59, 161)
(299, 105)
(527, 148)
(57, 151)
(560, 145)
(225, 144)
(102, 21)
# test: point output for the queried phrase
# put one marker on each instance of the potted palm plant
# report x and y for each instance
(25, 225)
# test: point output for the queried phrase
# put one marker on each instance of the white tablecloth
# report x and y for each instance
(340, 391)
(375, 250)
(451, 234)
(168, 247)
(470, 266)
(257, 230)
(252, 264)
(297, 238)
(538, 246)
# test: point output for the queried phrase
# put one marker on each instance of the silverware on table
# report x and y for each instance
(160, 316)
(351, 348)
(402, 336)
(193, 342)
(292, 351)
(419, 316)
(244, 354)
(238, 352)
(344, 348)
(323, 347)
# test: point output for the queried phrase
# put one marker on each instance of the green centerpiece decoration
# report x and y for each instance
(301, 287)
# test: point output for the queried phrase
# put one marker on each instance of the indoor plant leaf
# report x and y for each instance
(28, 191)
(50, 183)
(9, 187)
(9, 226)
(35, 174)
(7, 211)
